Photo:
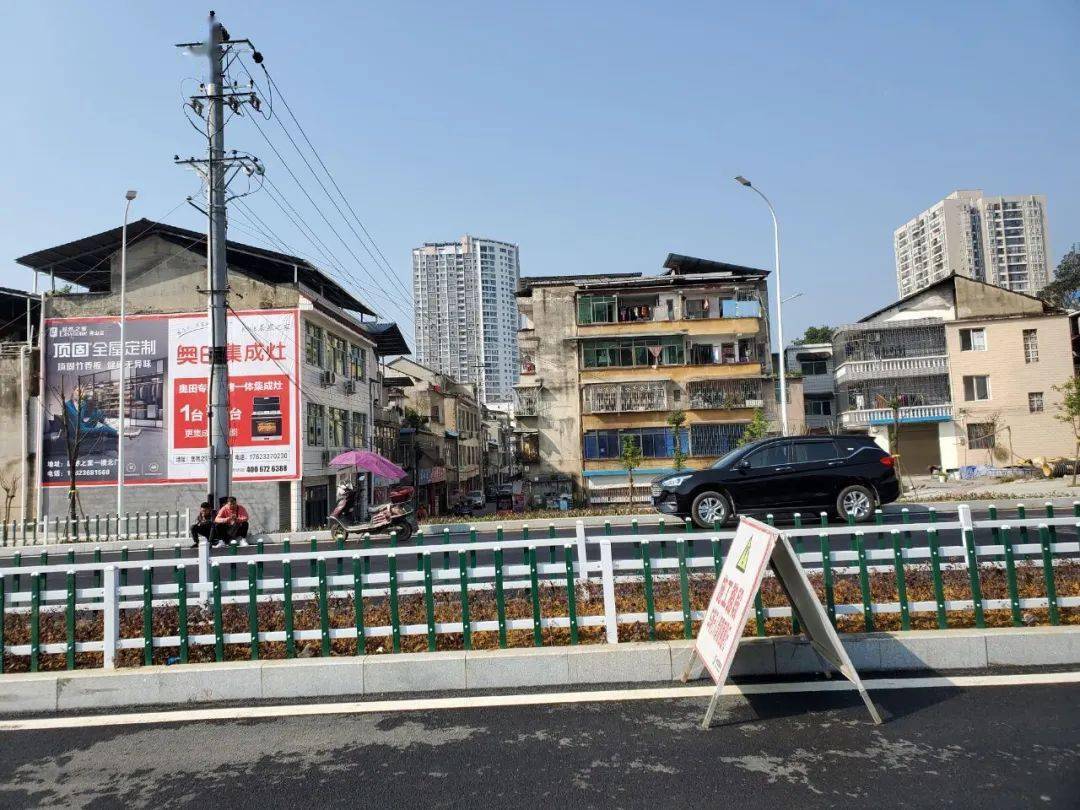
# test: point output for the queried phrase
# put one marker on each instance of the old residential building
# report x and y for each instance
(606, 356)
(965, 371)
(1000, 240)
(449, 411)
(466, 317)
(302, 366)
(813, 362)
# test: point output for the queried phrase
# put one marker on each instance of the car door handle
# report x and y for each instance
(783, 469)
(834, 463)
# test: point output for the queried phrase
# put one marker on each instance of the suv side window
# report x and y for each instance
(807, 452)
(772, 456)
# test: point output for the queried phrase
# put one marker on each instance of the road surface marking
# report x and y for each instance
(525, 699)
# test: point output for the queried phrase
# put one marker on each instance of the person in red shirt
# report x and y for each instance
(231, 523)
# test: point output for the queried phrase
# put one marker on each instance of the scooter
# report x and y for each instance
(396, 516)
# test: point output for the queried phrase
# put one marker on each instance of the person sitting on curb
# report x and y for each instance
(231, 523)
(203, 525)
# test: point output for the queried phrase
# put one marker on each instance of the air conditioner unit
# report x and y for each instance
(349, 386)
(327, 379)
(326, 458)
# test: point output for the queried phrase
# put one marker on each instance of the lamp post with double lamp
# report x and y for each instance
(130, 196)
(779, 306)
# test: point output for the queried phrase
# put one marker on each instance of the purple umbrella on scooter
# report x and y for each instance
(395, 516)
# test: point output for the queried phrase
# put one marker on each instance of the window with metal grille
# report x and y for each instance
(980, 435)
(1035, 402)
(316, 423)
(715, 440)
(1031, 345)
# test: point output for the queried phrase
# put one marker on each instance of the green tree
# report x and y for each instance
(815, 334)
(676, 419)
(1064, 290)
(757, 429)
(1068, 411)
(631, 459)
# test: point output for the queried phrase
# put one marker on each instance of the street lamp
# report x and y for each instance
(779, 305)
(129, 196)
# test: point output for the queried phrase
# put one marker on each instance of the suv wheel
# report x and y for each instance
(708, 509)
(855, 501)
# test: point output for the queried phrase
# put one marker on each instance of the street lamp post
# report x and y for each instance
(129, 196)
(779, 306)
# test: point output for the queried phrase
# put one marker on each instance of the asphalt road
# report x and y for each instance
(984, 747)
(487, 533)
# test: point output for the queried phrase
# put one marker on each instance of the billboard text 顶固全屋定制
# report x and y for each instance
(166, 423)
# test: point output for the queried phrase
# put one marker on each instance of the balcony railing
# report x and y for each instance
(908, 415)
(895, 367)
(625, 397)
(528, 403)
(724, 394)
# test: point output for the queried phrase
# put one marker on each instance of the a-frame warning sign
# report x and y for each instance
(756, 545)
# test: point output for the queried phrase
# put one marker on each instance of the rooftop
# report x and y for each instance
(85, 261)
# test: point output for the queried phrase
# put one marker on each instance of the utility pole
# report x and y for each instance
(217, 170)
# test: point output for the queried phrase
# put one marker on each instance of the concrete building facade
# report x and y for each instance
(963, 372)
(466, 316)
(813, 362)
(606, 356)
(1001, 240)
(339, 382)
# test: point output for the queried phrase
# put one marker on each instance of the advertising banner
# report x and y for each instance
(166, 422)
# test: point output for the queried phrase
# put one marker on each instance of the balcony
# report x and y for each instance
(723, 394)
(893, 367)
(528, 402)
(625, 397)
(908, 415)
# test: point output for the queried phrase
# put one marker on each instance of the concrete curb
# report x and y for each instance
(641, 662)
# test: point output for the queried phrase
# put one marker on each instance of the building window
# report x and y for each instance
(339, 425)
(980, 436)
(1031, 345)
(338, 354)
(596, 309)
(973, 340)
(658, 442)
(434, 414)
(316, 423)
(1035, 402)
(631, 352)
(358, 426)
(313, 344)
(812, 367)
(357, 358)
(818, 407)
(976, 387)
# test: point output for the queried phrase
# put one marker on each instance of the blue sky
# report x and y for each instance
(599, 136)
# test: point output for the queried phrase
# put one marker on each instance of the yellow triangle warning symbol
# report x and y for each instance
(744, 558)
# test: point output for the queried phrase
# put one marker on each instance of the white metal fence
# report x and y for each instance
(96, 528)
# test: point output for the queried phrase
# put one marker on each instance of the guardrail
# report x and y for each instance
(557, 588)
(96, 528)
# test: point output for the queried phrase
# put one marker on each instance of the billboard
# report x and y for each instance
(165, 401)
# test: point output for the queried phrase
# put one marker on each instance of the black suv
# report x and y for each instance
(846, 475)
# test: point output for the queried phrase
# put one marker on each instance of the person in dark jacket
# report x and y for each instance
(203, 525)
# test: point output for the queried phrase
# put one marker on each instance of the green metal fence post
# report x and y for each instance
(313, 566)
(551, 547)
(534, 595)
(935, 574)
(287, 607)
(901, 581)
(148, 616)
(123, 571)
(35, 622)
(429, 603)
(446, 554)
(1010, 577)
(905, 518)
(973, 575)
(69, 616)
(826, 569)
(219, 636)
(324, 611)
(341, 560)
(253, 611)
(463, 591)
(1048, 574)
(181, 612)
(500, 600)
(571, 592)
(864, 584)
(684, 590)
(646, 573)
(395, 611)
(358, 605)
